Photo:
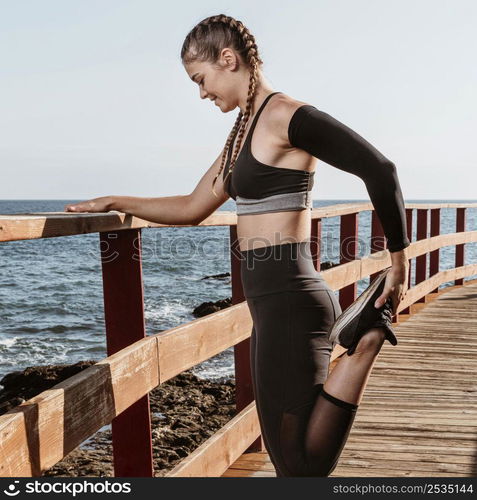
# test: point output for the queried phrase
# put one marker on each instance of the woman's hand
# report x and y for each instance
(102, 204)
(395, 286)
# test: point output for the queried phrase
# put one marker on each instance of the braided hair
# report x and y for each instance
(204, 43)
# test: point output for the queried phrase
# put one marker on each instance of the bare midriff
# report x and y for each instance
(276, 228)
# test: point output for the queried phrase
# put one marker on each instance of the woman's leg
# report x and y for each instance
(335, 409)
(253, 369)
(304, 427)
(274, 377)
(348, 379)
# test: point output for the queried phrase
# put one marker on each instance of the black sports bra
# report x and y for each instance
(259, 188)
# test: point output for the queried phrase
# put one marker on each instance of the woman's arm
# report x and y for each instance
(175, 210)
(162, 210)
(331, 141)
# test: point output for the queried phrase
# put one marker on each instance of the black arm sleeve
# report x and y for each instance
(336, 144)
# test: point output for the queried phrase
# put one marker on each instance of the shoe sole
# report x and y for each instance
(352, 311)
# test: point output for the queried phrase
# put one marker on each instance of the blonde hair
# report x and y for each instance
(204, 43)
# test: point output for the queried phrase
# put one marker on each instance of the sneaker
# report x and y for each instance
(362, 315)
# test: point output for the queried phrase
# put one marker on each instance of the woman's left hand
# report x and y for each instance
(101, 204)
(395, 286)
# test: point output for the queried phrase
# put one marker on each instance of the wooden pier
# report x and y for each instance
(417, 416)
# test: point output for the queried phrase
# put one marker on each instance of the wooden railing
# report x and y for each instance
(43, 430)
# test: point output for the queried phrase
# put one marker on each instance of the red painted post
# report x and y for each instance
(243, 375)
(315, 244)
(459, 249)
(434, 254)
(409, 235)
(124, 320)
(378, 240)
(421, 260)
(348, 252)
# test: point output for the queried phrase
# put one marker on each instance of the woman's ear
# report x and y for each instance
(228, 59)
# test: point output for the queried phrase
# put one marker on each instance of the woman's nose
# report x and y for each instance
(203, 94)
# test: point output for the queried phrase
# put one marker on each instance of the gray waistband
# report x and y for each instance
(274, 203)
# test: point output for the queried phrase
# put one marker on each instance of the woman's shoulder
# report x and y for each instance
(281, 110)
(283, 105)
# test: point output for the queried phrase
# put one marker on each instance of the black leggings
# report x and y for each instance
(293, 309)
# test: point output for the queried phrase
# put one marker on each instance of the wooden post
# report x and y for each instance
(348, 252)
(378, 240)
(407, 310)
(421, 260)
(459, 249)
(434, 254)
(315, 245)
(243, 375)
(124, 319)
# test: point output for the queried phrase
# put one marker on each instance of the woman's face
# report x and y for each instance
(218, 82)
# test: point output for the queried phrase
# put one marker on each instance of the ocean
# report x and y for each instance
(51, 297)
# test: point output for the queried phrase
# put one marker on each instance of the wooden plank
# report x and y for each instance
(361, 468)
(218, 452)
(353, 455)
(14, 227)
(428, 423)
(414, 465)
(243, 373)
(18, 444)
(460, 249)
(240, 473)
(187, 345)
(24, 226)
(125, 324)
(390, 366)
(448, 447)
(44, 429)
(348, 253)
(356, 468)
(350, 272)
(414, 408)
(405, 465)
(395, 471)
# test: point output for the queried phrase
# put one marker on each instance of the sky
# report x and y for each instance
(94, 99)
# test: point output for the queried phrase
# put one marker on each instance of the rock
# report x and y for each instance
(327, 265)
(185, 411)
(20, 386)
(217, 276)
(211, 307)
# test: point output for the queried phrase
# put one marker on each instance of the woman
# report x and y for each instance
(305, 415)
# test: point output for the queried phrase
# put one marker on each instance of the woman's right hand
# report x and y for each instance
(101, 204)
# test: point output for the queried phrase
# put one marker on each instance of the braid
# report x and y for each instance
(205, 42)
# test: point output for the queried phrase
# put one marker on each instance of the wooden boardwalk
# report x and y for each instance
(418, 415)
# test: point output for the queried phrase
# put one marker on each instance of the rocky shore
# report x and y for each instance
(185, 411)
